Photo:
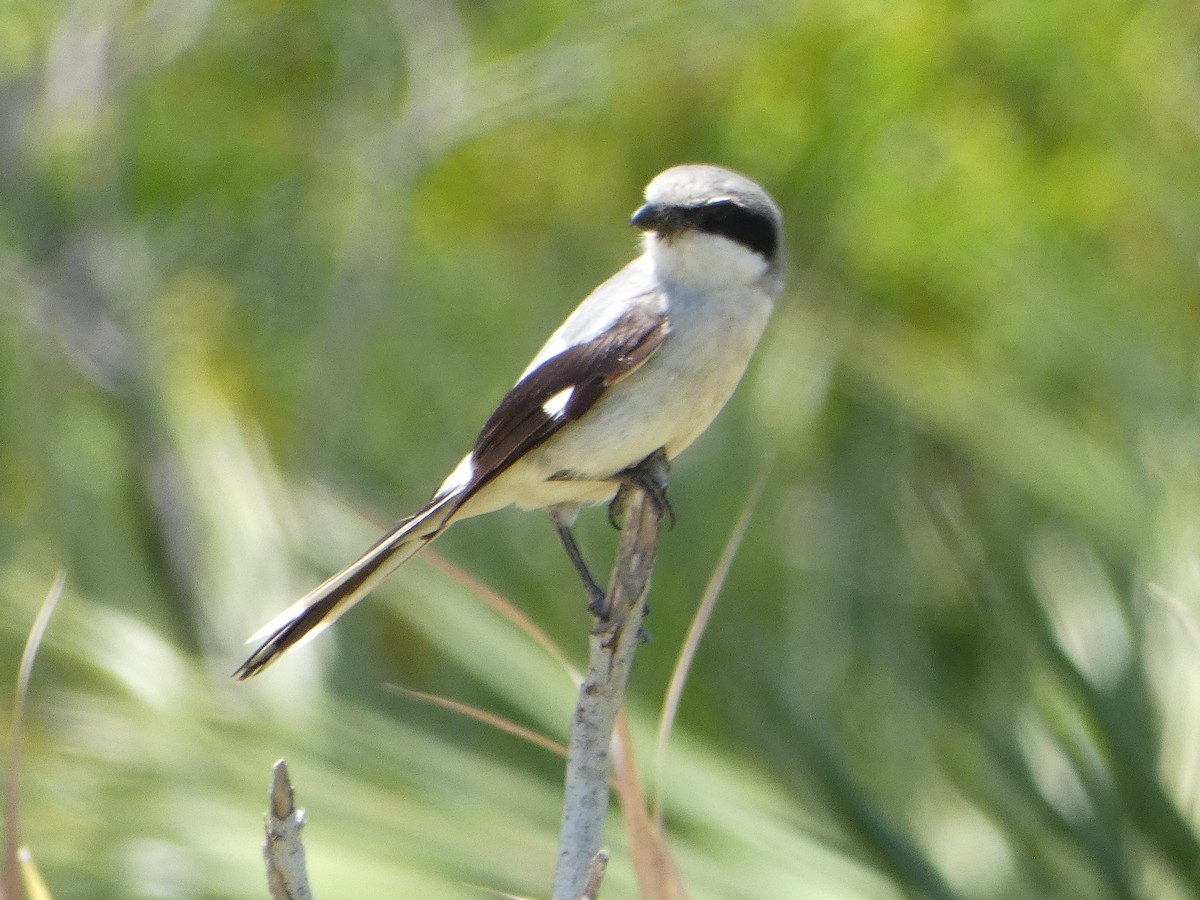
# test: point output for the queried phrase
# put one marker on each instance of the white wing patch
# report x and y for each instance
(555, 405)
(459, 478)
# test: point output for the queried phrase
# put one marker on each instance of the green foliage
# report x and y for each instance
(246, 248)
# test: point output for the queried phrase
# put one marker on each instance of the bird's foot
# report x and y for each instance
(650, 475)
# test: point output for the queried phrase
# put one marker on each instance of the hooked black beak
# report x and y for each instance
(652, 217)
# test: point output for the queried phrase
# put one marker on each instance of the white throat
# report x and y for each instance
(704, 260)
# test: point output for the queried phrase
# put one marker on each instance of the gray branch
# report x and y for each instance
(613, 642)
(287, 875)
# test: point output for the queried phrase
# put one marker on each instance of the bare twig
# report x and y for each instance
(287, 875)
(613, 643)
(595, 875)
(11, 888)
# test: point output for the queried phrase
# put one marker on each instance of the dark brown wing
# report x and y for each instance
(565, 387)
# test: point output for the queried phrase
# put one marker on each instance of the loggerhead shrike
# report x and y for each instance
(642, 366)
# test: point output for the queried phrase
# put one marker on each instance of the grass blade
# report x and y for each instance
(13, 865)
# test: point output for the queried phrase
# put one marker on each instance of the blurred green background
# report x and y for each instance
(265, 267)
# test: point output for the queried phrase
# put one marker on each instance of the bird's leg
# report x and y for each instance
(650, 475)
(563, 519)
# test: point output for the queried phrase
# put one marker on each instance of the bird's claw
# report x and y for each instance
(650, 476)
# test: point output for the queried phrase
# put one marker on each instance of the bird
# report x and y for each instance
(638, 370)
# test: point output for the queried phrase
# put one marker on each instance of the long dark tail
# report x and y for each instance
(317, 610)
